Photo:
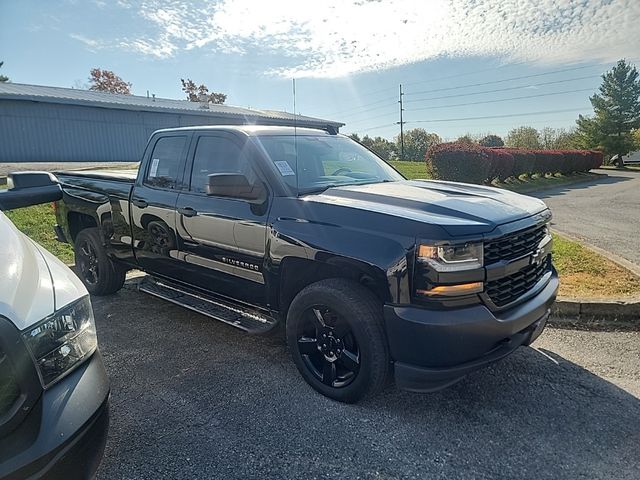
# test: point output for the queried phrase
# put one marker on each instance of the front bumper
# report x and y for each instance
(65, 433)
(434, 349)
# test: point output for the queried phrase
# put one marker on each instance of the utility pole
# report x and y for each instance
(401, 126)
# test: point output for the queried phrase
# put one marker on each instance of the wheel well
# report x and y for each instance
(297, 273)
(79, 221)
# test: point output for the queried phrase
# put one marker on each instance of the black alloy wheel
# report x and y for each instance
(99, 273)
(328, 347)
(87, 260)
(335, 332)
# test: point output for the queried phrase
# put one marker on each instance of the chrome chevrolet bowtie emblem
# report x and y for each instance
(537, 257)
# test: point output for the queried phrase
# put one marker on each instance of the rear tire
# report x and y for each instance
(337, 340)
(98, 272)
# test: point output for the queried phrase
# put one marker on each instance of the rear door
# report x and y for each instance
(153, 204)
(222, 240)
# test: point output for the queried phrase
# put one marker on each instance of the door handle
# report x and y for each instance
(140, 203)
(187, 212)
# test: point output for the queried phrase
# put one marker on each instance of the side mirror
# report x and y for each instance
(29, 188)
(18, 180)
(235, 185)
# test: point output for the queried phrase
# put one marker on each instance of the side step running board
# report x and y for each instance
(245, 319)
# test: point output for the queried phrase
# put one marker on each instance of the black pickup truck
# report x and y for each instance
(372, 275)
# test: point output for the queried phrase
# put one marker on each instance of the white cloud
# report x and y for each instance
(89, 42)
(341, 37)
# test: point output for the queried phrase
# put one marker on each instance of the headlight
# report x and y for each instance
(62, 341)
(452, 258)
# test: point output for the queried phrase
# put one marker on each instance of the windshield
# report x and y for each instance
(324, 161)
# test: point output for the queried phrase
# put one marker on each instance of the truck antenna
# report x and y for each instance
(295, 131)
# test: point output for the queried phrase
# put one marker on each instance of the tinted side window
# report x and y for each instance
(166, 159)
(218, 155)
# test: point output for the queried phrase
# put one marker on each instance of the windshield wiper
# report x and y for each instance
(319, 188)
(322, 188)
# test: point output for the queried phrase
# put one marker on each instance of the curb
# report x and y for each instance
(596, 313)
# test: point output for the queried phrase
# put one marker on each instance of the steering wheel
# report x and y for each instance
(341, 170)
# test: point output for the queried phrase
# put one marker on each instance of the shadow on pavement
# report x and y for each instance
(611, 178)
(193, 398)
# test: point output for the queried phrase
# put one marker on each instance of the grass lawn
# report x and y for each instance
(583, 273)
(411, 170)
(37, 222)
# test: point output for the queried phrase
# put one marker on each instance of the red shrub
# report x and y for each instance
(501, 164)
(459, 162)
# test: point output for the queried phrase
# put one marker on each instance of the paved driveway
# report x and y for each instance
(194, 398)
(605, 212)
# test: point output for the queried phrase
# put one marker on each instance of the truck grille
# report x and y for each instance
(506, 290)
(9, 388)
(514, 245)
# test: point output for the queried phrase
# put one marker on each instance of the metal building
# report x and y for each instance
(52, 124)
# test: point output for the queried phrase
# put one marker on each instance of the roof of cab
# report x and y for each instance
(251, 130)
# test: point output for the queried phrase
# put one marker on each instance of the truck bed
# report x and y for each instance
(125, 175)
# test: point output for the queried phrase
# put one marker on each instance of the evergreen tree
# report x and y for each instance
(617, 112)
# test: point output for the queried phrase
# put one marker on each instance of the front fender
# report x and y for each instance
(383, 259)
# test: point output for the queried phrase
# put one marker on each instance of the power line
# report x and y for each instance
(372, 109)
(522, 77)
(389, 99)
(366, 119)
(466, 74)
(503, 99)
(525, 114)
(368, 129)
(555, 82)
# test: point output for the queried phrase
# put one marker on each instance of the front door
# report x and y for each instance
(222, 240)
(153, 205)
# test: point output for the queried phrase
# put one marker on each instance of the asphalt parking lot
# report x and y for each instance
(602, 212)
(194, 398)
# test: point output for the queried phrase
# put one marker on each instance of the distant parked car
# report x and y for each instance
(632, 159)
(53, 386)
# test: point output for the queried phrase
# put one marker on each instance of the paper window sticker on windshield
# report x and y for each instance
(285, 169)
(154, 167)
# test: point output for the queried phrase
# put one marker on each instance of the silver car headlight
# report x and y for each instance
(452, 258)
(61, 342)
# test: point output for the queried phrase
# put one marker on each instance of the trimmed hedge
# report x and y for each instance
(459, 162)
(475, 164)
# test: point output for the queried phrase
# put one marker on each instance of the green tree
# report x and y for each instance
(384, 148)
(636, 139)
(523, 137)
(466, 139)
(616, 108)
(491, 141)
(354, 136)
(3, 78)
(416, 143)
(557, 139)
(107, 81)
(201, 93)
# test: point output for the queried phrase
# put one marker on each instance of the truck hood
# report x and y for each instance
(459, 208)
(33, 283)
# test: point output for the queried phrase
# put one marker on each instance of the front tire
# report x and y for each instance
(98, 272)
(336, 337)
